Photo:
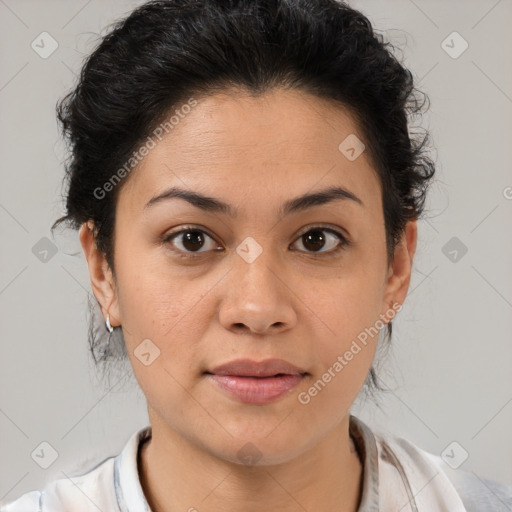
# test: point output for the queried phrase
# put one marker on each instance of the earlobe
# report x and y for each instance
(102, 281)
(399, 275)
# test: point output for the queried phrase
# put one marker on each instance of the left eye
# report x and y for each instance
(318, 238)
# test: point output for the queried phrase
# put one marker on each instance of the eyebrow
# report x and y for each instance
(300, 203)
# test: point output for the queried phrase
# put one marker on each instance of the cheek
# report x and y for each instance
(171, 311)
(148, 304)
(163, 313)
(344, 366)
(149, 300)
(346, 350)
(349, 312)
(347, 305)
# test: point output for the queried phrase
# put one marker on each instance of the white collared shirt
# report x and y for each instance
(397, 476)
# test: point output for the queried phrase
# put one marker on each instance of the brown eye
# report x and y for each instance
(191, 241)
(317, 239)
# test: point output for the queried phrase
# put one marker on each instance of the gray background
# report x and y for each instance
(449, 367)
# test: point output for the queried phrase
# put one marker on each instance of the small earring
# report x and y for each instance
(107, 323)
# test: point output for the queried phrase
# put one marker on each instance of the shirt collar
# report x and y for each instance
(129, 493)
(130, 496)
(366, 446)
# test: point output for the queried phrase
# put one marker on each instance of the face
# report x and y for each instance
(197, 287)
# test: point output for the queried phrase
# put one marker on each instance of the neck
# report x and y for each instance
(178, 475)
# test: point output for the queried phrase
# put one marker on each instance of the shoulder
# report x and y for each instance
(28, 502)
(107, 486)
(79, 493)
(438, 481)
(477, 493)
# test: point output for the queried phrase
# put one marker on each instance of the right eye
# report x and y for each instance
(190, 241)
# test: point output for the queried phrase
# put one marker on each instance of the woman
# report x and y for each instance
(247, 194)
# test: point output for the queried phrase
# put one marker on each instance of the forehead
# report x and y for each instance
(234, 145)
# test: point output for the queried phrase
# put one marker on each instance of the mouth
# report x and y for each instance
(258, 376)
(254, 382)
(251, 368)
(256, 390)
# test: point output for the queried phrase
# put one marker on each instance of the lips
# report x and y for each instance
(250, 368)
(256, 383)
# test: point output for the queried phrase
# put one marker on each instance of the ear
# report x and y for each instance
(399, 273)
(102, 280)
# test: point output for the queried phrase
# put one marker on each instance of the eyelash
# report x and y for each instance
(344, 242)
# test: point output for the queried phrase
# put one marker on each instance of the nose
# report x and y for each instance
(258, 299)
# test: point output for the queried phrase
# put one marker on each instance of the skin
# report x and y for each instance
(299, 302)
